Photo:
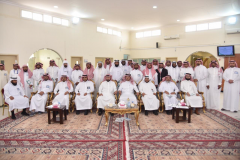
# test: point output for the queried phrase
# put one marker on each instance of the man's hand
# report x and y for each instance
(25, 96)
(85, 94)
(66, 93)
(41, 93)
(208, 87)
(115, 92)
(120, 92)
(195, 80)
(230, 81)
(76, 83)
(166, 92)
(177, 82)
(173, 93)
(143, 94)
(156, 86)
(11, 97)
(219, 86)
(100, 94)
(188, 94)
(154, 94)
(78, 94)
(57, 94)
(197, 94)
(30, 86)
(137, 93)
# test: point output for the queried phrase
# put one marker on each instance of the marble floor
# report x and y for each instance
(231, 114)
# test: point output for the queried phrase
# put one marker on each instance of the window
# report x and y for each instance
(65, 22)
(156, 33)
(37, 17)
(47, 19)
(26, 14)
(104, 30)
(99, 29)
(139, 35)
(201, 27)
(190, 28)
(119, 34)
(57, 20)
(148, 33)
(215, 25)
(115, 33)
(109, 31)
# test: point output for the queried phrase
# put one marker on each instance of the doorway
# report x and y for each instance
(171, 59)
(77, 60)
(8, 61)
(97, 59)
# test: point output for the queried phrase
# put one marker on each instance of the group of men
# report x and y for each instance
(125, 78)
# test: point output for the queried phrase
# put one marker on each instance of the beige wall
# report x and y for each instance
(24, 37)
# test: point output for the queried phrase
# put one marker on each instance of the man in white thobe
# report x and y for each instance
(65, 70)
(15, 97)
(53, 70)
(99, 74)
(89, 71)
(169, 90)
(26, 78)
(174, 72)
(214, 83)
(151, 73)
(179, 64)
(136, 74)
(39, 100)
(107, 90)
(231, 87)
(108, 65)
(144, 64)
(186, 68)
(126, 90)
(62, 90)
(15, 71)
(3, 80)
(37, 75)
(83, 98)
(192, 97)
(200, 76)
(155, 64)
(125, 68)
(76, 74)
(148, 91)
(168, 65)
(116, 71)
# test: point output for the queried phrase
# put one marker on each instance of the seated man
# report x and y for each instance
(107, 90)
(39, 100)
(15, 97)
(192, 97)
(62, 90)
(169, 90)
(150, 101)
(83, 98)
(126, 89)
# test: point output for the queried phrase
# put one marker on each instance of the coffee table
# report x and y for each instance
(184, 117)
(116, 109)
(60, 110)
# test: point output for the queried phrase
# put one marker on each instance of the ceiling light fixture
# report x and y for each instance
(154, 7)
(75, 20)
(102, 19)
(132, 28)
(55, 6)
(178, 20)
(232, 20)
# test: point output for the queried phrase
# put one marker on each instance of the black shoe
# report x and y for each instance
(67, 112)
(146, 113)
(112, 114)
(223, 109)
(170, 111)
(235, 111)
(24, 113)
(77, 112)
(86, 112)
(155, 112)
(99, 111)
(13, 115)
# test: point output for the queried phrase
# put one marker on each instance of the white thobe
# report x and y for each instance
(99, 74)
(179, 83)
(169, 99)
(155, 67)
(107, 90)
(213, 93)
(127, 92)
(231, 90)
(192, 100)
(3, 82)
(201, 74)
(108, 69)
(126, 69)
(76, 76)
(150, 101)
(142, 67)
(14, 73)
(152, 77)
(136, 75)
(53, 72)
(186, 70)
(37, 77)
(174, 73)
(116, 73)
(84, 102)
(19, 101)
(64, 71)
(27, 82)
(61, 88)
(168, 68)
(38, 102)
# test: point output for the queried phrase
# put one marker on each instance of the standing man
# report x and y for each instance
(26, 78)
(162, 72)
(174, 72)
(136, 74)
(168, 65)
(37, 75)
(143, 66)
(15, 97)
(108, 65)
(125, 68)
(99, 74)
(76, 74)
(151, 73)
(200, 76)
(89, 71)
(231, 87)
(53, 70)
(65, 70)
(148, 91)
(214, 83)
(155, 64)
(83, 98)
(3, 79)
(179, 64)
(116, 71)
(186, 68)
(14, 72)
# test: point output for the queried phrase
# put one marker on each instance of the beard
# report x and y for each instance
(188, 79)
(25, 70)
(108, 80)
(14, 83)
(116, 65)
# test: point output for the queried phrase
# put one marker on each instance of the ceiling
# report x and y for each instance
(125, 14)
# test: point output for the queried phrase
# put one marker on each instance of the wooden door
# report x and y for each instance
(8, 61)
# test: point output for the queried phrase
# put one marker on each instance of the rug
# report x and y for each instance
(76, 127)
(212, 125)
(55, 150)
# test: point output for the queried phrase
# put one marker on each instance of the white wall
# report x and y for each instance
(24, 37)
(146, 47)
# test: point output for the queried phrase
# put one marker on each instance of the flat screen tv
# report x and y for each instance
(225, 50)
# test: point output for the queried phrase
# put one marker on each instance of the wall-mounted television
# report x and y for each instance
(225, 50)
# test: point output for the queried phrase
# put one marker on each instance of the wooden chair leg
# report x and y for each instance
(97, 110)
(3, 109)
(91, 110)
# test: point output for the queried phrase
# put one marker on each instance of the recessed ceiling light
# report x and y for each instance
(178, 20)
(55, 6)
(154, 7)
(132, 28)
(75, 20)
(232, 20)
(102, 19)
